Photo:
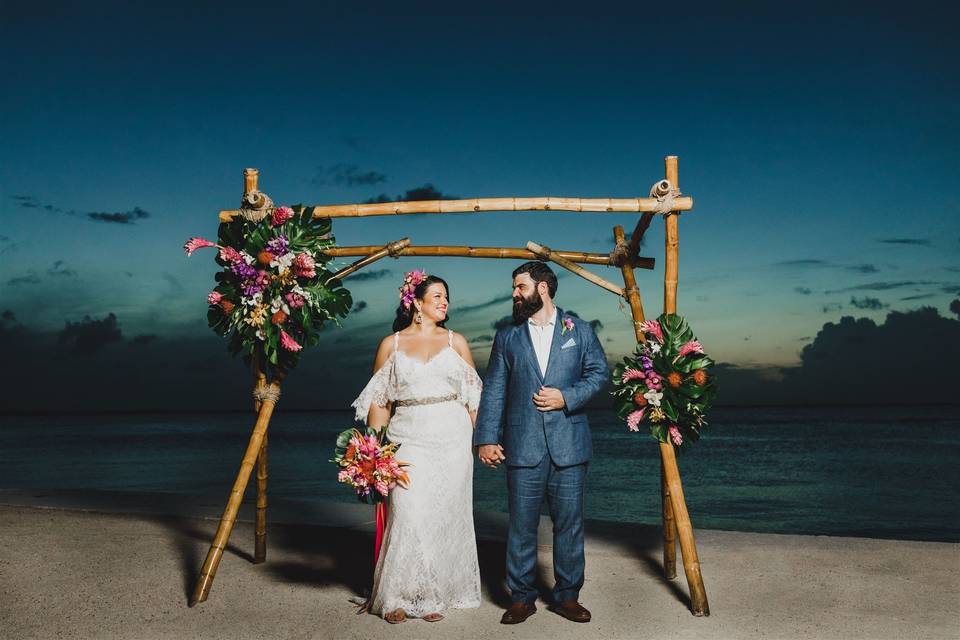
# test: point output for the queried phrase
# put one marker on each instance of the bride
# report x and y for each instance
(424, 375)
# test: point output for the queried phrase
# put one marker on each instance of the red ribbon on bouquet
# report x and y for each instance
(381, 527)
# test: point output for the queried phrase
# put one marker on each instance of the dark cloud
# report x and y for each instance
(804, 338)
(426, 192)
(867, 302)
(359, 306)
(59, 270)
(801, 263)
(364, 276)
(955, 307)
(919, 242)
(884, 286)
(175, 285)
(143, 338)
(349, 175)
(8, 316)
(803, 290)
(122, 217)
(596, 324)
(484, 305)
(481, 339)
(951, 288)
(30, 278)
(503, 322)
(863, 268)
(831, 306)
(920, 296)
(90, 335)
(6, 244)
(353, 142)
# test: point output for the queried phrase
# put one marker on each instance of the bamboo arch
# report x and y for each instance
(665, 199)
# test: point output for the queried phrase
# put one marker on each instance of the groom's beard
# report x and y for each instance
(524, 307)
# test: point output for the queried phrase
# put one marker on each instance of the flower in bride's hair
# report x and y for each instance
(410, 281)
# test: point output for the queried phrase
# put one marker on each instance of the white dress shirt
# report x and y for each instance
(542, 337)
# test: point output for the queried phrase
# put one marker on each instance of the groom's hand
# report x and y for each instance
(549, 399)
(491, 455)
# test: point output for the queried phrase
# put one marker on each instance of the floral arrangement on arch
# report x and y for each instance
(668, 382)
(273, 294)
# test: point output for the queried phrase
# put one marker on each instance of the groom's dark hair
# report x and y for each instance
(539, 272)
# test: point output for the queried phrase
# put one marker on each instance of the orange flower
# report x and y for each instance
(675, 379)
(639, 400)
(351, 452)
(264, 257)
(226, 305)
(278, 318)
(367, 467)
(700, 377)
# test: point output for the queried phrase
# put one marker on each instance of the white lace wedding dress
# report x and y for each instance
(428, 561)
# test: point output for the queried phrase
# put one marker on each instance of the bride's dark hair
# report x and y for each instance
(405, 315)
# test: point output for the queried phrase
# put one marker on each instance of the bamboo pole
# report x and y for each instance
(630, 289)
(642, 224)
(672, 488)
(229, 517)
(475, 205)
(389, 249)
(488, 252)
(545, 253)
(260, 530)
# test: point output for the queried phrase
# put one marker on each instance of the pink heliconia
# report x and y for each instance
(691, 347)
(281, 215)
(633, 374)
(229, 254)
(197, 243)
(304, 266)
(653, 328)
(675, 435)
(633, 420)
(214, 298)
(289, 343)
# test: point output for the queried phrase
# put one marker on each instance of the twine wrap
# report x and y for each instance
(664, 192)
(266, 392)
(620, 253)
(255, 206)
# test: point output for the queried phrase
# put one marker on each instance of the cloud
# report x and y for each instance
(484, 305)
(481, 339)
(364, 276)
(921, 296)
(6, 244)
(801, 263)
(951, 288)
(831, 306)
(122, 217)
(426, 192)
(58, 270)
(862, 268)
(884, 286)
(955, 307)
(7, 316)
(805, 291)
(349, 175)
(90, 335)
(919, 242)
(359, 306)
(30, 278)
(175, 286)
(867, 302)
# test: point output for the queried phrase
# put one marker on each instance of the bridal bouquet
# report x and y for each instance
(667, 383)
(273, 293)
(368, 463)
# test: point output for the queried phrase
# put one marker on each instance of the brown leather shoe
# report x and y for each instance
(572, 610)
(518, 612)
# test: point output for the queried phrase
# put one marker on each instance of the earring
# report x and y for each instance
(418, 318)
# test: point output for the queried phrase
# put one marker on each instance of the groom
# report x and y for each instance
(542, 372)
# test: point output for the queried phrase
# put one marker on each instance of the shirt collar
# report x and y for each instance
(552, 321)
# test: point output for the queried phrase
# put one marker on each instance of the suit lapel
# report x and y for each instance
(531, 354)
(554, 344)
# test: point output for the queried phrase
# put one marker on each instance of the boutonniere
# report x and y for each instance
(567, 326)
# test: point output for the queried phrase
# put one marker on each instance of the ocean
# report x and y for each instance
(882, 472)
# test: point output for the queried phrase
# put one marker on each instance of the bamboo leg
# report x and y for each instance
(669, 529)
(209, 570)
(260, 530)
(691, 562)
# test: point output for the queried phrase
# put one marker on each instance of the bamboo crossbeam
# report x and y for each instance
(486, 252)
(475, 205)
(545, 253)
(391, 248)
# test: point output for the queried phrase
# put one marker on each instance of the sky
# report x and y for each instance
(821, 147)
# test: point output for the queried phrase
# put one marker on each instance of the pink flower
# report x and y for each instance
(304, 266)
(675, 435)
(196, 243)
(633, 420)
(382, 487)
(288, 343)
(654, 381)
(653, 328)
(632, 374)
(691, 347)
(281, 215)
(295, 300)
(214, 298)
(229, 254)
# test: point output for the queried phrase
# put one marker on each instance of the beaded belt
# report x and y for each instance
(419, 401)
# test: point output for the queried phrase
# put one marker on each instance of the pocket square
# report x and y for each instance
(569, 343)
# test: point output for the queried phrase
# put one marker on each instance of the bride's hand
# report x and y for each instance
(491, 455)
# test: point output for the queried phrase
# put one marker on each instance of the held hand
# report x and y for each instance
(491, 455)
(549, 399)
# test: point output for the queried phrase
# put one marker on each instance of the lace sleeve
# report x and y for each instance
(470, 387)
(379, 391)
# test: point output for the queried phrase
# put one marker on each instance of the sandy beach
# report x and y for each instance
(72, 573)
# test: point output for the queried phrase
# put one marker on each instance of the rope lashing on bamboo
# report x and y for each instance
(396, 247)
(255, 206)
(620, 254)
(665, 195)
(267, 392)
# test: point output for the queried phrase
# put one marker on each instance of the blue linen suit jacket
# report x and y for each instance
(577, 367)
